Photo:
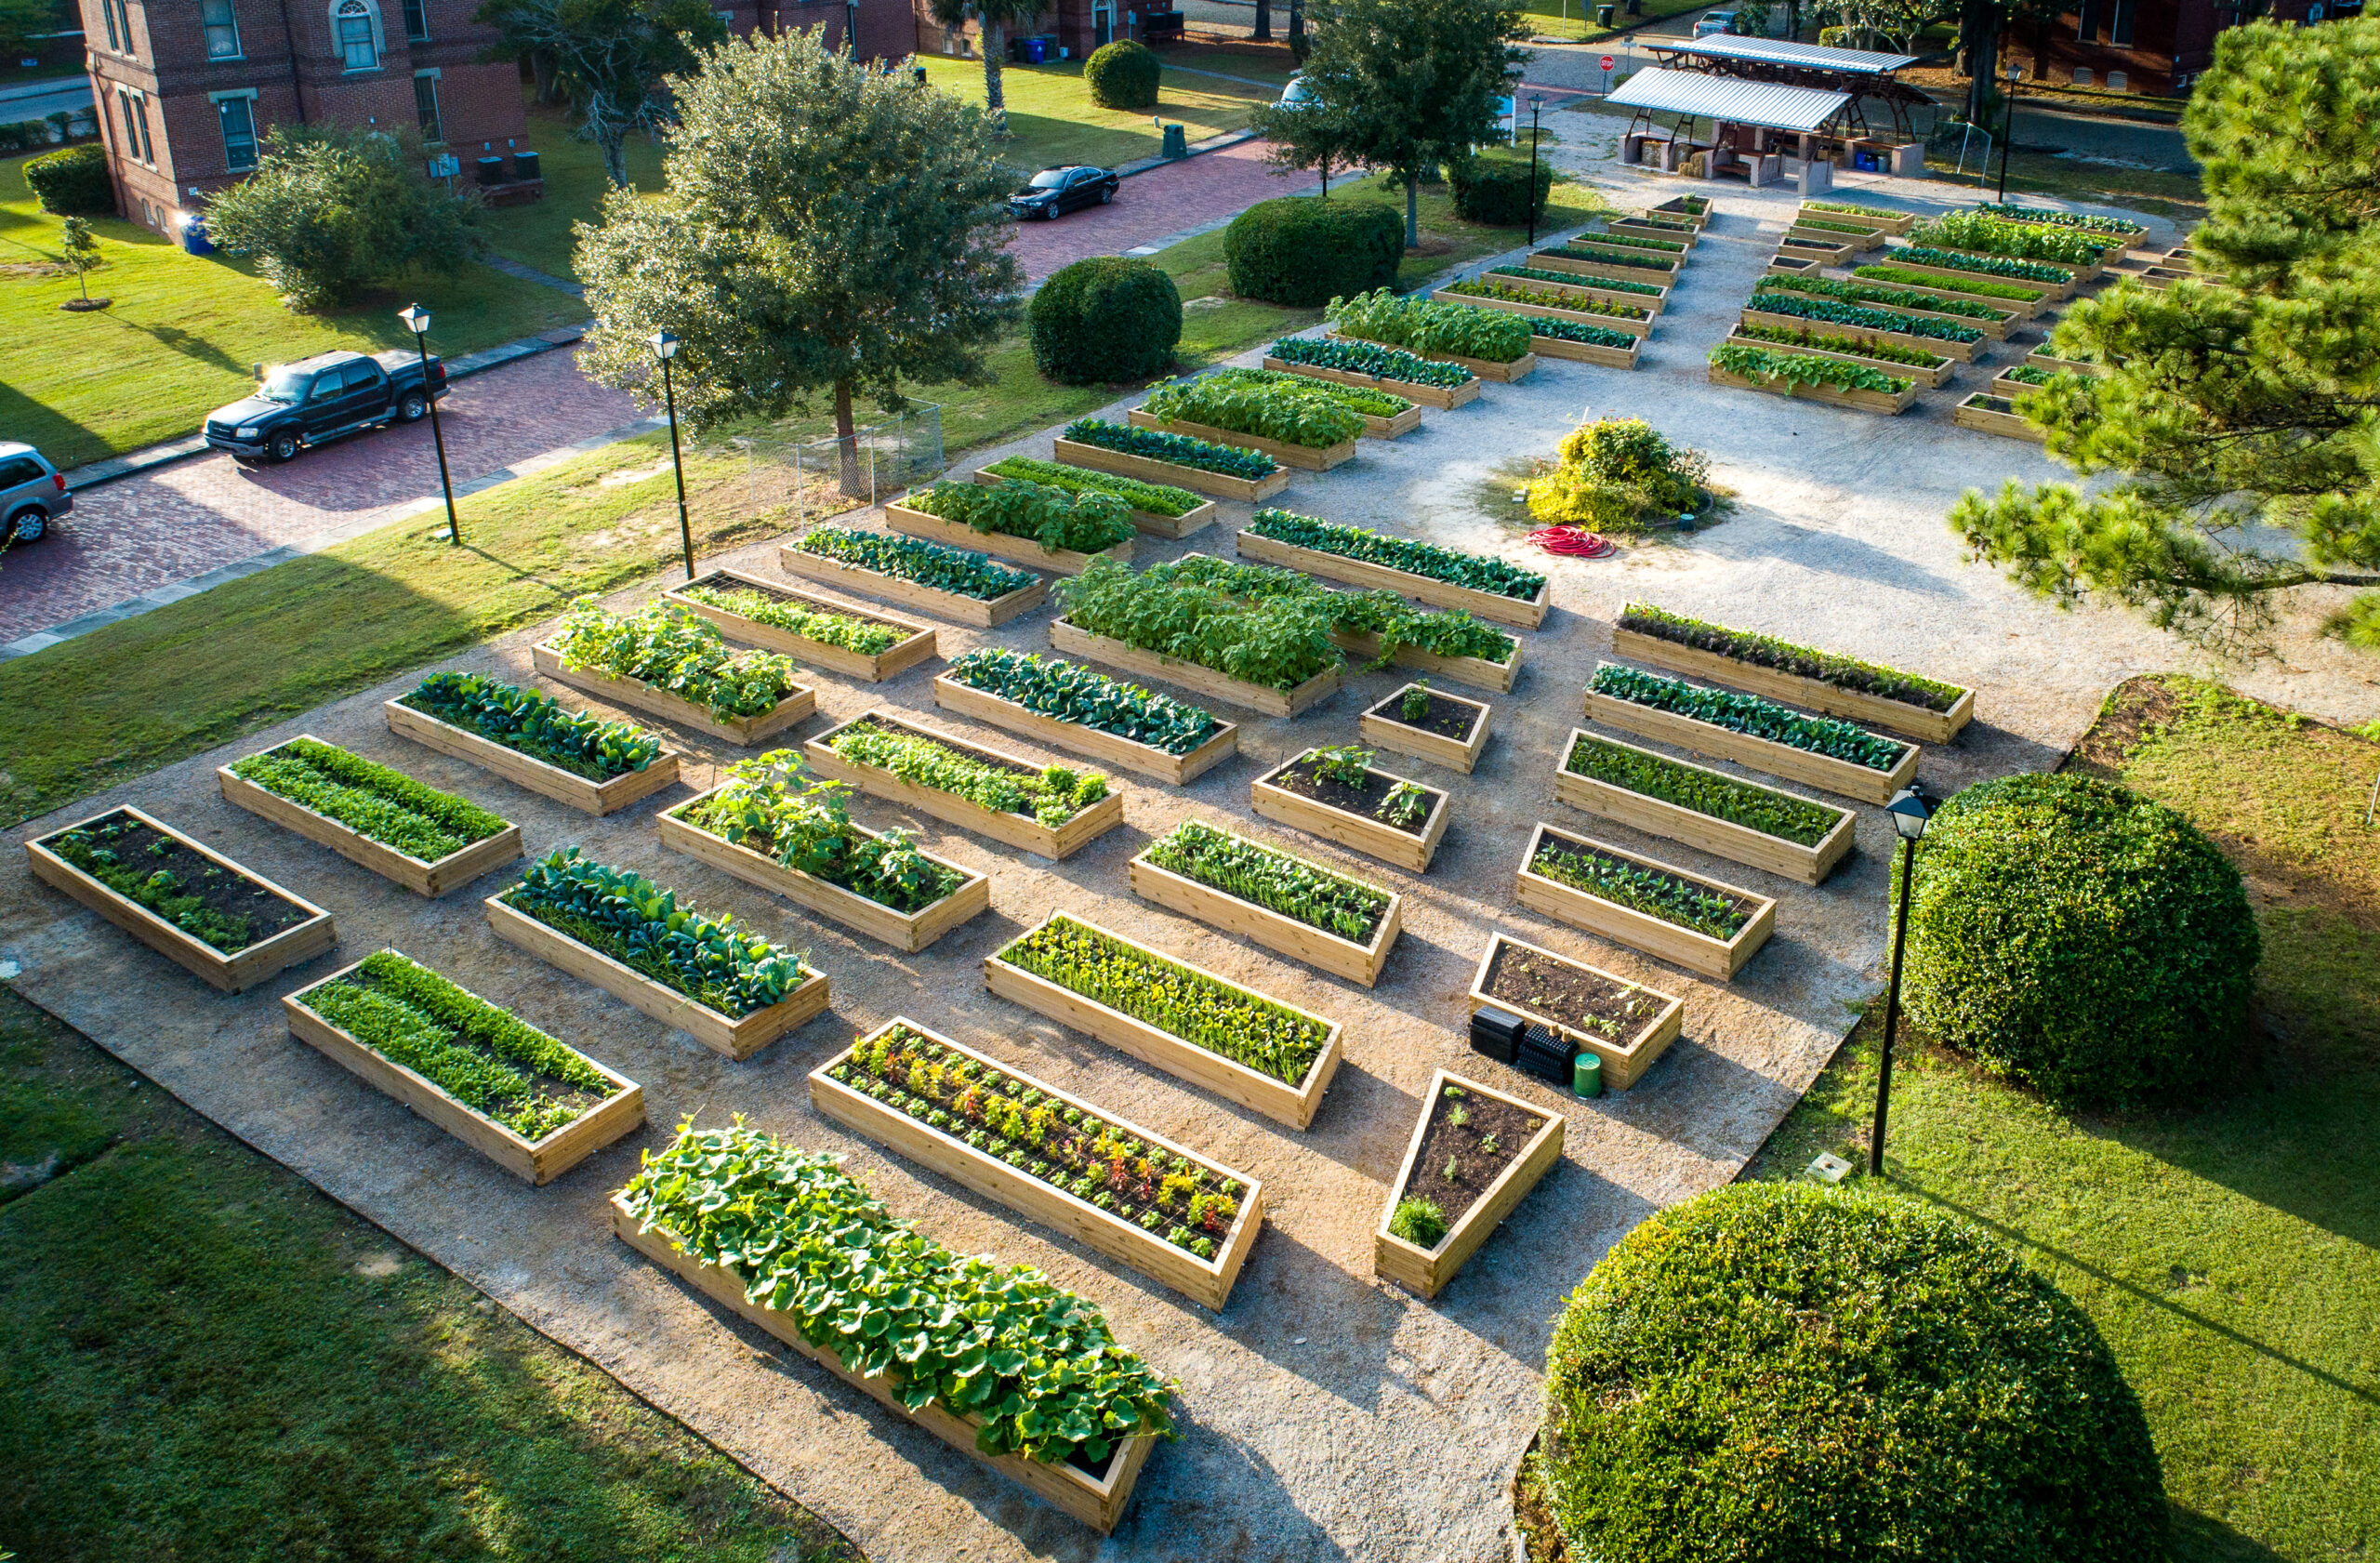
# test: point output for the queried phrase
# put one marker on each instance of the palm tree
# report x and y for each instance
(996, 17)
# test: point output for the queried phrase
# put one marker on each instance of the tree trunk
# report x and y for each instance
(541, 70)
(853, 483)
(611, 137)
(1263, 21)
(1413, 211)
(995, 45)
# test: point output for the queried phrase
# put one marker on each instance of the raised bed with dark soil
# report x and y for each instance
(1476, 1153)
(144, 849)
(1446, 1142)
(1584, 1001)
(1306, 780)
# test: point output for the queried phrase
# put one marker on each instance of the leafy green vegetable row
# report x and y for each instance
(1270, 877)
(1985, 234)
(1991, 265)
(1638, 886)
(1975, 287)
(1366, 358)
(674, 650)
(1764, 366)
(1849, 208)
(1863, 346)
(536, 724)
(1571, 301)
(772, 805)
(1053, 795)
(845, 632)
(1579, 331)
(1823, 226)
(1833, 313)
(1428, 325)
(485, 1057)
(1036, 1365)
(1367, 400)
(1479, 572)
(371, 800)
(626, 915)
(1099, 1162)
(1750, 715)
(1153, 497)
(2041, 214)
(1067, 692)
(1766, 651)
(1155, 445)
(1591, 247)
(1890, 298)
(1265, 410)
(1085, 522)
(1227, 1021)
(1574, 302)
(1636, 241)
(957, 571)
(1705, 793)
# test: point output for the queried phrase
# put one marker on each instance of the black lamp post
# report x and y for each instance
(416, 320)
(665, 347)
(1536, 103)
(2009, 126)
(1910, 809)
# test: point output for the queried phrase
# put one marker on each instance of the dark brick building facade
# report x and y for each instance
(2136, 46)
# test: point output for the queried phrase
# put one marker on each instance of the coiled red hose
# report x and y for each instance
(1574, 541)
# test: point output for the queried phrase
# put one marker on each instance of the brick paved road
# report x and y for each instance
(1162, 202)
(140, 533)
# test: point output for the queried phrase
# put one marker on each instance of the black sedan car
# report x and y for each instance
(1055, 191)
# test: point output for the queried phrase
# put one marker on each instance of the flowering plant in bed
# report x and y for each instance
(620, 913)
(536, 724)
(772, 805)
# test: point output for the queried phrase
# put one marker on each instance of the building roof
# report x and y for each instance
(1781, 51)
(1728, 99)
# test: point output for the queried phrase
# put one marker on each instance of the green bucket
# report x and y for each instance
(1586, 1075)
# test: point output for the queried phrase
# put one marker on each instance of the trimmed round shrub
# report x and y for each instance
(1122, 75)
(2080, 939)
(1790, 1372)
(73, 179)
(1106, 319)
(1306, 251)
(1497, 190)
(1618, 474)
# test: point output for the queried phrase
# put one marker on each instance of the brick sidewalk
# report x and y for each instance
(144, 532)
(1157, 204)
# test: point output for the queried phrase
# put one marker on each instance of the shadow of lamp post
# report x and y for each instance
(416, 320)
(1910, 810)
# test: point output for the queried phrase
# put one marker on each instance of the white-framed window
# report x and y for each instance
(355, 30)
(223, 29)
(425, 103)
(237, 112)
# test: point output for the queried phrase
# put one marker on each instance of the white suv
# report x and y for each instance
(33, 494)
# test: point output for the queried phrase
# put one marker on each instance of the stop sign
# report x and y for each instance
(1608, 62)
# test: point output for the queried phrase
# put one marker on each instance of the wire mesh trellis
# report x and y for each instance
(819, 475)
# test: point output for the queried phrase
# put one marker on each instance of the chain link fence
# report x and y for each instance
(819, 475)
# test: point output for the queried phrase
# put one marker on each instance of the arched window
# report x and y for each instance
(355, 25)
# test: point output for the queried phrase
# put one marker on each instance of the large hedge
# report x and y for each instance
(1497, 190)
(1306, 251)
(2080, 939)
(1795, 1373)
(1122, 75)
(1105, 318)
(73, 179)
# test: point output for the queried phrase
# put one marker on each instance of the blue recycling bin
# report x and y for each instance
(1037, 51)
(194, 239)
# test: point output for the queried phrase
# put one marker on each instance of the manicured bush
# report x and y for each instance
(1497, 191)
(2082, 940)
(1787, 1371)
(73, 179)
(1122, 75)
(1618, 474)
(1106, 319)
(1304, 251)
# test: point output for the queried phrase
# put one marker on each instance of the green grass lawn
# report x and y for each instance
(185, 329)
(202, 1356)
(2229, 1249)
(1575, 19)
(538, 233)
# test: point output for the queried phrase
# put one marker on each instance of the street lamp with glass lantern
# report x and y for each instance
(2008, 126)
(1910, 810)
(1536, 103)
(416, 320)
(665, 347)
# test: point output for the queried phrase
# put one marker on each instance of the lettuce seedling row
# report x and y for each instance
(301, 930)
(1518, 1143)
(422, 877)
(1635, 924)
(1357, 960)
(1207, 1281)
(917, 645)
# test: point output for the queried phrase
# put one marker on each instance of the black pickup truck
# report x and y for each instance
(321, 398)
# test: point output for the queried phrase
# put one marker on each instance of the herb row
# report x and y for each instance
(1705, 793)
(373, 800)
(1978, 287)
(1767, 650)
(1890, 298)
(1863, 346)
(1577, 303)
(1831, 312)
(1266, 877)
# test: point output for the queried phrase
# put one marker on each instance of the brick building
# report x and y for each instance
(2137, 46)
(1079, 26)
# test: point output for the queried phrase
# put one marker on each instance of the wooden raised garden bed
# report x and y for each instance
(1583, 288)
(1223, 485)
(2059, 292)
(1685, 233)
(722, 1034)
(527, 770)
(1083, 645)
(1927, 376)
(1834, 237)
(1384, 726)
(1205, 1281)
(1826, 252)
(875, 667)
(1700, 953)
(1097, 1500)
(1017, 830)
(1590, 352)
(960, 609)
(1682, 208)
(1544, 312)
(1427, 1270)
(1833, 396)
(1520, 613)
(2013, 312)
(1410, 850)
(2042, 358)
(1022, 551)
(1476, 671)
(1516, 976)
(1304, 457)
(910, 931)
(536, 1161)
(1445, 398)
(1784, 265)
(1784, 760)
(1404, 423)
(1177, 770)
(1227, 1078)
(1721, 837)
(1977, 413)
(1506, 373)
(1657, 267)
(637, 694)
(1317, 947)
(1816, 695)
(306, 930)
(1152, 523)
(457, 869)
(1964, 352)
(1898, 222)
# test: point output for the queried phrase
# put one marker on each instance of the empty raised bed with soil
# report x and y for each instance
(1474, 1155)
(1298, 794)
(1624, 1023)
